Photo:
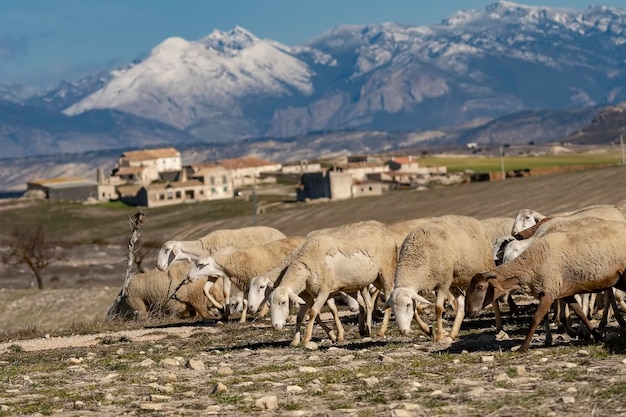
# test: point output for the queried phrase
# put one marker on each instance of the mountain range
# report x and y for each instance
(503, 73)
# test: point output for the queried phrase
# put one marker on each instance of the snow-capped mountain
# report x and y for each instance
(231, 85)
(16, 93)
(183, 82)
(477, 63)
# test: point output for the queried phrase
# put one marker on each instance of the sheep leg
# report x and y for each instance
(571, 302)
(385, 323)
(340, 331)
(226, 292)
(546, 327)
(540, 313)
(421, 323)
(611, 304)
(439, 307)
(496, 312)
(513, 309)
(564, 319)
(458, 319)
(365, 326)
(299, 319)
(314, 311)
(244, 311)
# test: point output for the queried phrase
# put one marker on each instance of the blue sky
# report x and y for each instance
(43, 42)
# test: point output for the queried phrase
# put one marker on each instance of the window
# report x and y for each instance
(224, 180)
(178, 194)
(170, 195)
(212, 180)
(161, 196)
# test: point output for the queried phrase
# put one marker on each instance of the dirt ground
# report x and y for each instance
(214, 368)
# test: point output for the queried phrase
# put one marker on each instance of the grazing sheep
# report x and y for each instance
(240, 266)
(346, 260)
(219, 241)
(587, 255)
(161, 292)
(442, 255)
(400, 230)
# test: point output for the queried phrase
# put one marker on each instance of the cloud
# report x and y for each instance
(12, 46)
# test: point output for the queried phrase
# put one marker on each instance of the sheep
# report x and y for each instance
(441, 255)
(345, 260)
(240, 266)
(219, 241)
(586, 255)
(524, 219)
(161, 291)
(496, 227)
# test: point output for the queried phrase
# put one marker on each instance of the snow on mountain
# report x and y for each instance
(184, 81)
(504, 58)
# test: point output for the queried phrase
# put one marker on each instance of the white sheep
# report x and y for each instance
(164, 292)
(524, 219)
(496, 227)
(240, 266)
(347, 260)
(441, 255)
(219, 241)
(588, 255)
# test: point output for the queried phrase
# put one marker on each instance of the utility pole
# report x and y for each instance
(502, 163)
(621, 144)
(254, 207)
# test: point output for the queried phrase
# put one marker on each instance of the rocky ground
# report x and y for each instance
(211, 368)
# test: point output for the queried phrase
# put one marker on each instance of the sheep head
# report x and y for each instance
(403, 302)
(205, 267)
(257, 292)
(480, 293)
(168, 253)
(279, 305)
(524, 219)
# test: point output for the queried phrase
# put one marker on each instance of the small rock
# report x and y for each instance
(347, 358)
(195, 364)
(294, 389)
(401, 413)
(47, 336)
(456, 361)
(520, 370)
(464, 352)
(571, 390)
(212, 409)
(371, 381)
(167, 389)
(624, 361)
(476, 393)
(487, 359)
(438, 394)
(568, 400)
(219, 388)
(75, 361)
(416, 386)
(307, 369)
(224, 370)
(109, 397)
(569, 365)
(147, 363)
(582, 352)
(501, 378)
(386, 360)
(411, 406)
(152, 406)
(310, 346)
(156, 398)
(169, 363)
(109, 378)
(169, 378)
(502, 335)
(314, 358)
(466, 382)
(27, 379)
(269, 402)
(543, 360)
(78, 405)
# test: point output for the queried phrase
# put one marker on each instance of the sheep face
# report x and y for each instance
(257, 292)
(401, 302)
(279, 306)
(478, 296)
(205, 267)
(514, 249)
(525, 218)
(167, 255)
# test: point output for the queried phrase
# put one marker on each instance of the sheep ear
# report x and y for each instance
(419, 299)
(296, 298)
(493, 281)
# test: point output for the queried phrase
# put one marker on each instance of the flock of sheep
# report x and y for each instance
(563, 260)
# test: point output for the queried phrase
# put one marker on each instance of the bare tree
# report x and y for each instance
(29, 247)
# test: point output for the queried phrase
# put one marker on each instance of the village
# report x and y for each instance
(157, 177)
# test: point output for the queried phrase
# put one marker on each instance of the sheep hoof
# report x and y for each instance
(332, 336)
(296, 340)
